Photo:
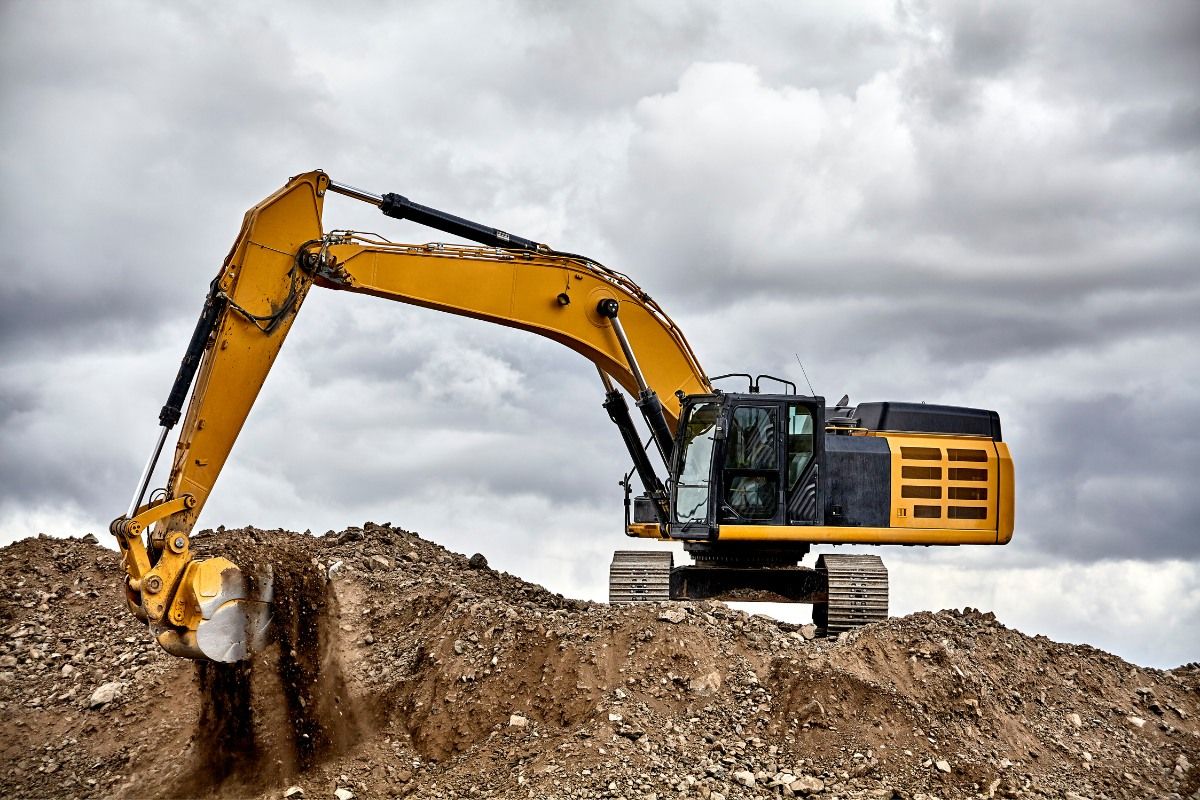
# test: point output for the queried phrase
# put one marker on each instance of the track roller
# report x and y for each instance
(858, 593)
(640, 576)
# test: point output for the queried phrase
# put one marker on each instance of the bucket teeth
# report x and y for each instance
(640, 576)
(858, 593)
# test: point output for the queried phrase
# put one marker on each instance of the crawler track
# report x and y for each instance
(640, 576)
(858, 593)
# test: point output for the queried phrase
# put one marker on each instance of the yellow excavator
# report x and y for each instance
(753, 479)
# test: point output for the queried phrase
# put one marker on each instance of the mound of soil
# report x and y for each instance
(407, 670)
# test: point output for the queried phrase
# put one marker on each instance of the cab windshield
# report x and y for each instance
(692, 487)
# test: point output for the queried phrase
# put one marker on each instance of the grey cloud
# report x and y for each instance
(1109, 476)
(989, 38)
(100, 143)
(1171, 126)
(1124, 50)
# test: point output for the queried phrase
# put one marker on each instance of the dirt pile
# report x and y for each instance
(473, 683)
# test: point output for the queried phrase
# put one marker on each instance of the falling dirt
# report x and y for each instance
(476, 684)
(271, 717)
(225, 737)
(320, 709)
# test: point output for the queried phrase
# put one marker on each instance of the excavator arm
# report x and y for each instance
(211, 609)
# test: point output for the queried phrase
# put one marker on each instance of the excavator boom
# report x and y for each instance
(208, 609)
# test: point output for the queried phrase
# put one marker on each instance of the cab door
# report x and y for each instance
(751, 484)
(803, 456)
(770, 463)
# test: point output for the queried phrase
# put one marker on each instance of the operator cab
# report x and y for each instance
(743, 460)
(747, 459)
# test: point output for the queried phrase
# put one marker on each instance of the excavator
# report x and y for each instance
(752, 481)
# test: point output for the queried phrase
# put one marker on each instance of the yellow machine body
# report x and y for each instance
(945, 490)
(209, 610)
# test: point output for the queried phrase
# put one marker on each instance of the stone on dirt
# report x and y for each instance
(807, 784)
(105, 693)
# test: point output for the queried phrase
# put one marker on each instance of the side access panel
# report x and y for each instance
(858, 473)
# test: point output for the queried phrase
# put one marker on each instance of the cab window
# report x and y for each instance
(751, 439)
(691, 491)
(800, 442)
(751, 489)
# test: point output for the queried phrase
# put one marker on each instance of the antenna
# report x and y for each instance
(812, 392)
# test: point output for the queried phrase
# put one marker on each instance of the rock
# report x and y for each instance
(412, 555)
(350, 535)
(1073, 796)
(716, 796)
(379, 562)
(811, 710)
(90, 538)
(673, 616)
(8, 662)
(1075, 720)
(1136, 722)
(807, 784)
(517, 721)
(707, 683)
(68, 670)
(808, 631)
(105, 694)
(293, 793)
(343, 794)
(477, 561)
(942, 766)
(744, 778)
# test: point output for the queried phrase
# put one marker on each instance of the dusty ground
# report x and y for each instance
(463, 682)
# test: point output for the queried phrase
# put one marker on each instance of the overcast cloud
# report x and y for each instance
(986, 204)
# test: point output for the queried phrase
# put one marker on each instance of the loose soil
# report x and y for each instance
(406, 670)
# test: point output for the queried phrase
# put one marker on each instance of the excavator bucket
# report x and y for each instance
(224, 612)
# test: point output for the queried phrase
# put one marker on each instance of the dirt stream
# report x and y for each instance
(405, 670)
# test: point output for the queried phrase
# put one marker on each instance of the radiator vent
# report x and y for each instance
(950, 483)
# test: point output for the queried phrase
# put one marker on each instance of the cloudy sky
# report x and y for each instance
(993, 205)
